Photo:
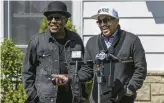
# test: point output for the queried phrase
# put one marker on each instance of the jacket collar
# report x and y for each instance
(68, 33)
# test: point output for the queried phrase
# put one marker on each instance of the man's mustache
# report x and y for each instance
(102, 27)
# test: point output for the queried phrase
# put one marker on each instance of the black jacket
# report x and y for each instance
(132, 74)
(42, 59)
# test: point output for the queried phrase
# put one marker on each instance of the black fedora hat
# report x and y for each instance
(57, 7)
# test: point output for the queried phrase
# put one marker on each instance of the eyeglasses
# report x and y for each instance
(105, 20)
(56, 17)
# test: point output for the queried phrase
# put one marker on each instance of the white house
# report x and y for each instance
(143, 18)
(21, 19)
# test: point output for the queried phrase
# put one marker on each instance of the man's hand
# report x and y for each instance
(129, 92)
(61, 79)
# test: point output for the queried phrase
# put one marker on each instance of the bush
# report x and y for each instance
(12, 90)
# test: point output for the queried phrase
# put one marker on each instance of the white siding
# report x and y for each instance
(137, 26)
(143, 26)
(155, 62)
(145, 19)
(126, 9)
(1, 22)
(77, 16)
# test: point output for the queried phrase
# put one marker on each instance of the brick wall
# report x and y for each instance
(152, 90)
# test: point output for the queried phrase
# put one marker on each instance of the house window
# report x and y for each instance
(23, 19)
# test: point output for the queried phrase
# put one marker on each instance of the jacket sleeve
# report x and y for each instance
(29, 70)
(140, 64)
(86, 71)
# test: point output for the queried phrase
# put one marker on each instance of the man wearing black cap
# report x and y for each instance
(47, 74)
(124, 65)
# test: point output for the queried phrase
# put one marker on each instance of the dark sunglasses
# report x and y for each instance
(105, 20)
(56, 17)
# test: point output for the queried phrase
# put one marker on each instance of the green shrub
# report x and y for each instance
(12, 90)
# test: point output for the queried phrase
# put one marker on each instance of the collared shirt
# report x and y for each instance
(108, 41)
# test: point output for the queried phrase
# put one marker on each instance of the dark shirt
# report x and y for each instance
(61, 43)
(63, 91)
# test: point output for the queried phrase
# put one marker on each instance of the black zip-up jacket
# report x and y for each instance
(42, 59)
(125, 45)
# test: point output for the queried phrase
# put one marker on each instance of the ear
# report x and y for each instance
(47, 21)
(117, 21)
(97, 23)
(65, 21)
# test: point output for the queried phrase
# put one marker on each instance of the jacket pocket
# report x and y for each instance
(32, 96)
(48, 97)
(45, 60)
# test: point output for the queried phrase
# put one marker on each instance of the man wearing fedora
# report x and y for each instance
(47, 72)
(124, 64)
